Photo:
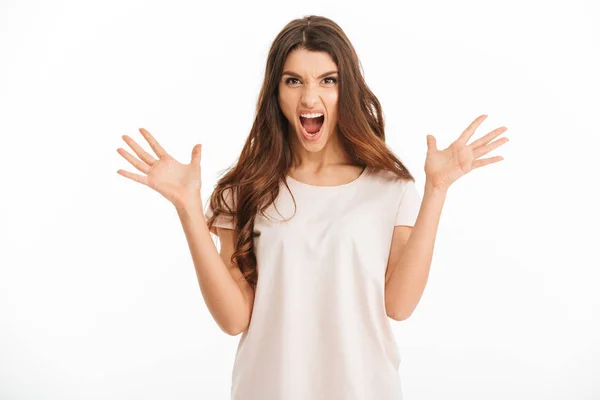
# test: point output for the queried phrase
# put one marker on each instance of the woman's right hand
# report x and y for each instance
(178, 183)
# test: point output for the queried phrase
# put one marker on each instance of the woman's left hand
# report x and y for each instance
(443, 167)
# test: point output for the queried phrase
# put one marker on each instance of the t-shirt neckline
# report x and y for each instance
(363, 173)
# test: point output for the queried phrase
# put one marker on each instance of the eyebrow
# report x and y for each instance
(298, 76)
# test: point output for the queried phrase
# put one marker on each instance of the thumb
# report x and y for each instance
(196, 154)
(431, 143)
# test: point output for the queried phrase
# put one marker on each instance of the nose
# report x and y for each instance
(310, 96)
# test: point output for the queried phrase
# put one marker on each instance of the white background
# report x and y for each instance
(98, 295)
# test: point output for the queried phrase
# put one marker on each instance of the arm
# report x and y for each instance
(408, 275)
(227, 295)
(409, 268)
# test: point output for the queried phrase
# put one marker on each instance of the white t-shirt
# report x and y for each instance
(319, 329)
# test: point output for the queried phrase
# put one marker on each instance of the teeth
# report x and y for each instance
(313, 115)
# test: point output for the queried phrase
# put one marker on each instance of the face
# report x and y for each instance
(308, 97)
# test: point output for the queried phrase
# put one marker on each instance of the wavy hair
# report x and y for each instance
(266, 157)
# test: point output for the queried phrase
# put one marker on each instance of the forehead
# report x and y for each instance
(309, 63)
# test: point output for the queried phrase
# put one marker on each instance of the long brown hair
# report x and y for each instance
(253, 181)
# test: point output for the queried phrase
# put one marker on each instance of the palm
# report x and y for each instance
(448, 165)
(443, 167)
(173, 179)
(177, 182)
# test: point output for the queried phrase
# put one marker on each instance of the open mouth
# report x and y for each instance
(312, 126)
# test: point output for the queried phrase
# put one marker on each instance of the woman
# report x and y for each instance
(324, 236)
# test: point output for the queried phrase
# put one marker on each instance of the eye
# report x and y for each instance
(331, 78)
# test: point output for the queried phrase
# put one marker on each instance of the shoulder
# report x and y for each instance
(389, 179)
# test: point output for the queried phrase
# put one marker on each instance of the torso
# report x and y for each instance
(319, 328)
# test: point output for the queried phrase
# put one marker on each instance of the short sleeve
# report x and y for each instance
(222, 221)
(410, 204)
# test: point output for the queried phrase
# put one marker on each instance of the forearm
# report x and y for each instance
(407, 282)
(221, 293)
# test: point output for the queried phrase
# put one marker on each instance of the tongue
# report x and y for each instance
(312, 125)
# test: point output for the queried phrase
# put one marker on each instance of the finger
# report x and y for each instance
(147, 158)
(143, 167)
(143, 179)
(485, 161)
(431, 143)
(196, 154)
(160, 152)
(485, 139)
(481, 150)
(466, 135)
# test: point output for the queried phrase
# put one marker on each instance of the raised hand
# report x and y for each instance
(178, 183)
(443, 167)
